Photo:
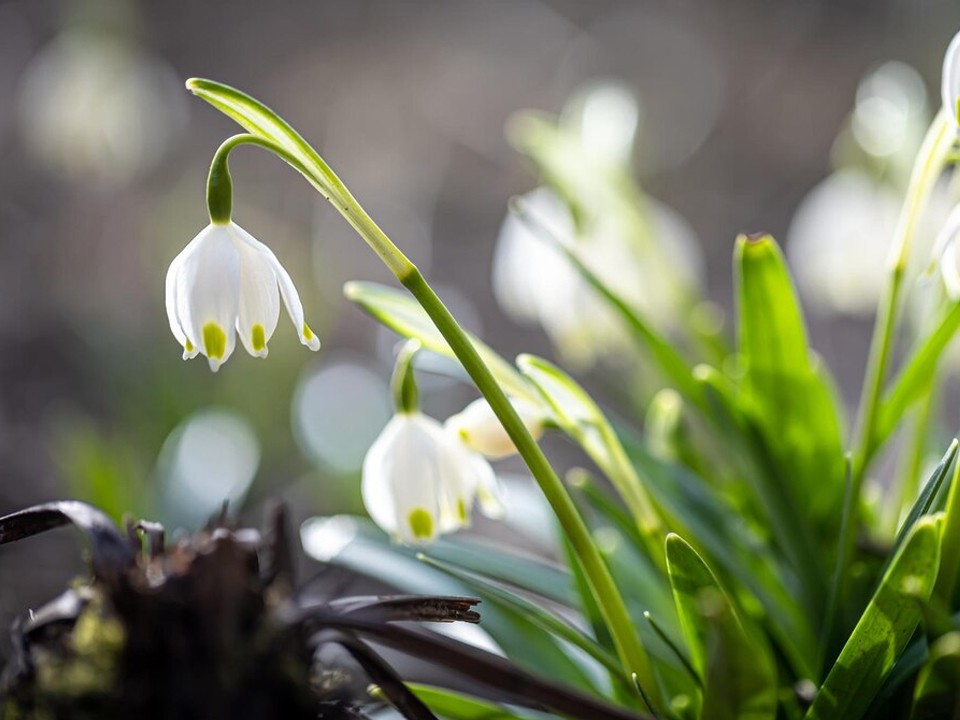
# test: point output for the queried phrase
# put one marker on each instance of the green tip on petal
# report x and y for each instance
(421, 524)
(214, 341)
(308, 337)
(258, 337)
(188, 346)
(462, 510)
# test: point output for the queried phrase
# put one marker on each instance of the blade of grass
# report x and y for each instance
(884, 629)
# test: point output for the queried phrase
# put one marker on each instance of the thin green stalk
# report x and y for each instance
(631, 652)
(929, 164)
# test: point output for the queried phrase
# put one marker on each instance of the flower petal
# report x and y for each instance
(481, 430)
(190, 349)
(401, 479)
(259, 306)
(291, 299)
(207, 294)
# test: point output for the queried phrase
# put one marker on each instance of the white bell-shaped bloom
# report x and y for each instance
(226, 282)
(481, 430)
(419, 481)
(950, 79)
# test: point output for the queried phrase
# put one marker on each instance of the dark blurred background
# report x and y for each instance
(103, 159)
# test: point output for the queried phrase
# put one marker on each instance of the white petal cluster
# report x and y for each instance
(226, 282)
(419, 481)
(950, 79)
(481, 430)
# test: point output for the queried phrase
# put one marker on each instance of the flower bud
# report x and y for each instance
(481, 430)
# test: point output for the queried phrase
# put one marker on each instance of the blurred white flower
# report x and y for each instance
(418, 481)
(890, 116)
(838, 241)
(226, 281)
(534, 282)
(94, 108)
(607, 116)
(481, 430)
(950, 79)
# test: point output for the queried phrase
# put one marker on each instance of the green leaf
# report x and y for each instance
(916, 376)
(937, 693)
(735, 665)
(456, 706)
(259, 120)
(884, 629)
(581, 418)
(497, 593)
(717, 531)
(950, 546)
(784, 386)
(402, 314)
(776, 509)
(925, 503)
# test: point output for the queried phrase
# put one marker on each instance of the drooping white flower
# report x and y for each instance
(419, 481)
(481, 430)
(950, 79)
(226, 282)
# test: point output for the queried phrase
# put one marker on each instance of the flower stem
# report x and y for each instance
(629, 648)
(929, 164)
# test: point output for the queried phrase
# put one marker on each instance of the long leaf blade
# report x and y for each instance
(735, 666)
(884, 628)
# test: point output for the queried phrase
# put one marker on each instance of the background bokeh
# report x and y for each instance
(103, 158)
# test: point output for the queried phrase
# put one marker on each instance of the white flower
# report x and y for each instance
(97, 110)
(950, 79)
(839, 239)
(481, 430)
(418, 481)
(226, 281)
